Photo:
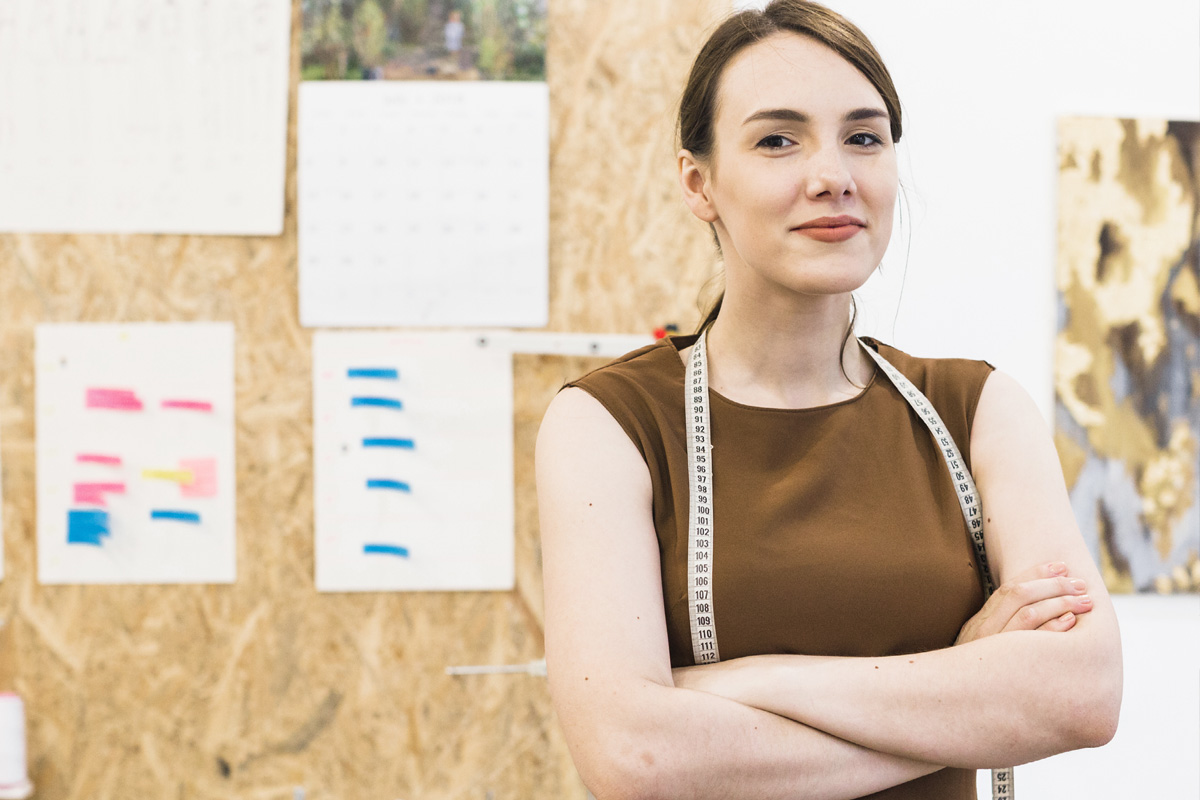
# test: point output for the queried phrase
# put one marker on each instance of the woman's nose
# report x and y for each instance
(829, 174)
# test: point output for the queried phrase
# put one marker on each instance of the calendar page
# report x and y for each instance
(139, 116)
(423, 203)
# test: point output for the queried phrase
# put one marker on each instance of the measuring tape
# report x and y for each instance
(700, 561)
(700, 506)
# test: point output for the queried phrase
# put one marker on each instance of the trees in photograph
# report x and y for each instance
(348, 39)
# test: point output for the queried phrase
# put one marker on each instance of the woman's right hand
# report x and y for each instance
(1044, 598)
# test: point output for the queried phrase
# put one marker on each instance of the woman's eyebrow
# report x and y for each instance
(792, 115)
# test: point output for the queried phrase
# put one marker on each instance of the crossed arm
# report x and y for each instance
(1036, 672)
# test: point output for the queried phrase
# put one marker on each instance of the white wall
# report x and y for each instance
(982, 85)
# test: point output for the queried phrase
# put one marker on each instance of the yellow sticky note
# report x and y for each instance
(180, 476)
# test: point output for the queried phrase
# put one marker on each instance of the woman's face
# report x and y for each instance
(802, 182)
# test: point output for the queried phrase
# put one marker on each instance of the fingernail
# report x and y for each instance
(1085, 601)
(1079, 586)
(1058, 568)
(1067, 617)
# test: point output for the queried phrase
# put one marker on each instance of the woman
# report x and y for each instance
(859, 657)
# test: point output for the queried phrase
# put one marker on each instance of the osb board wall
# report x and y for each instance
(252, 689)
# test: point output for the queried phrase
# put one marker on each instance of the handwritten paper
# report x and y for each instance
(414, 489)
(423, 203)
(143, 116)
(132, 487)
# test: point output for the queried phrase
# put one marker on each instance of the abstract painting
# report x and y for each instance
(1127, 374)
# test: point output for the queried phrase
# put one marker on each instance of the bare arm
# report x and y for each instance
(631, 732)
(999, 700)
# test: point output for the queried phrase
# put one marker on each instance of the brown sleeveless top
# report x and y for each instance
(836, 529)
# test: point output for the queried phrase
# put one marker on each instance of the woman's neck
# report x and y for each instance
(786, 355)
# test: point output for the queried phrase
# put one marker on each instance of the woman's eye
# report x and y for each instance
(776, 141)
(865, 139)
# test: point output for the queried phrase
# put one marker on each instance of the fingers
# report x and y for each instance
(1016, 595)
(1060, 624)
(1043, 597)
(1054, 613)
(1051, 570)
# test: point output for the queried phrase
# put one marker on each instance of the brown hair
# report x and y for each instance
(698, 106)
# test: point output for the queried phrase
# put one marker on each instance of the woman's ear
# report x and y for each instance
(694, 179)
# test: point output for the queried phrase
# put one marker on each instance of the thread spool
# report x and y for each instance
(14, 781)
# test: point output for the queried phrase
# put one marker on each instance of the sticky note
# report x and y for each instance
(178, 516)
(204, 477)
(98, 458)
(118, 399)
(406, 444)
(188, 405)
(378, 402)
(86, 526)
(386, 550)
(175, 475)
(94, 492)
(373, 372)
(383, 483)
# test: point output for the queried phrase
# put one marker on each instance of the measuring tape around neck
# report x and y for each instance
(700, 505)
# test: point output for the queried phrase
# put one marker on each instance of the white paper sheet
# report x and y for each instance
(423, 203)
(450, 506)
(143, 115)
(172, 458)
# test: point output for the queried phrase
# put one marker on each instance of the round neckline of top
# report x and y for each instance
(670, 342)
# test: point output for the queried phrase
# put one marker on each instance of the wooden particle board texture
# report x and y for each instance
(252, 689)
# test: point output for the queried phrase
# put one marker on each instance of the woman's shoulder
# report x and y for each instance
(638, 391)
(952, 385)
(936, 374)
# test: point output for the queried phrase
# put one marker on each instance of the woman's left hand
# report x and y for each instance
(1043, 598)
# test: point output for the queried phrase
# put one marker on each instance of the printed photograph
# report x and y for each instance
(1127, 357)
(421, 40)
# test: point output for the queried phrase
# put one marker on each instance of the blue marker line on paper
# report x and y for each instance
(381, 402)
(86, 526)
(385, 550)
(178, 516)
(373, 372)
(382, 483)
(406, 444)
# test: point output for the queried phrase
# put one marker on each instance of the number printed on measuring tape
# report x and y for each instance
(700, 539)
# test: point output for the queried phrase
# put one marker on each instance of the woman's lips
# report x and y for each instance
(835, 233)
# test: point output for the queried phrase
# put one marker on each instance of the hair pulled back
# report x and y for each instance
(698, 105)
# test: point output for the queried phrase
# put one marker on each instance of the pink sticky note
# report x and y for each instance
(98, 458)
(94, 492)
(204, 477)
(188, 405)
(119, 399)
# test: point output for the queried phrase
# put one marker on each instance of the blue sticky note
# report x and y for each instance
(378, 402)
(373, 372)
(404, 444)
(178, 516)
(386, 550)
(87, 526)
(384, 483)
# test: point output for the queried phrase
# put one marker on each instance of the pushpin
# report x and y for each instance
(661, 333)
